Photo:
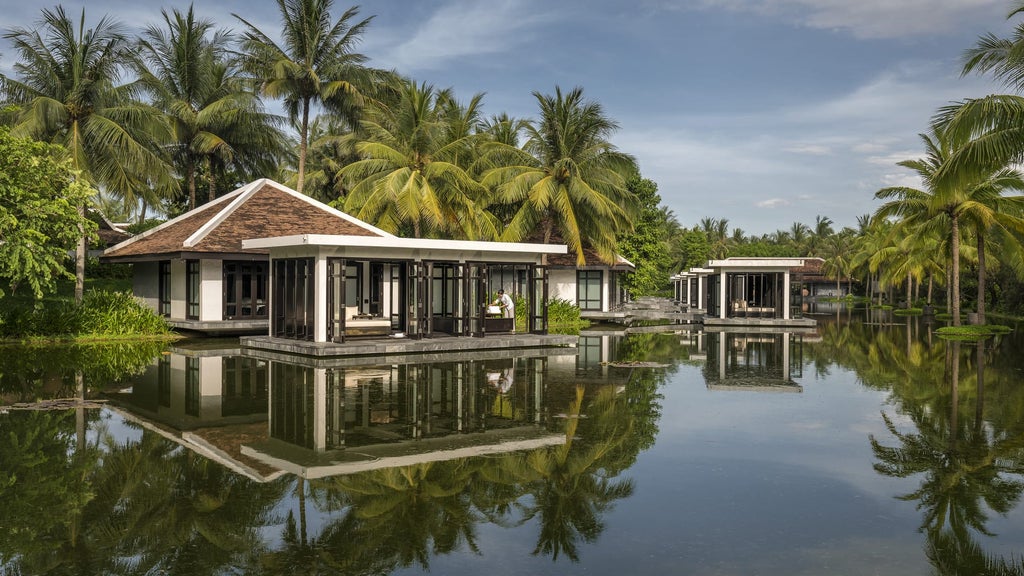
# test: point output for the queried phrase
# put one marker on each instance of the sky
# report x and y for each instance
(762, 112)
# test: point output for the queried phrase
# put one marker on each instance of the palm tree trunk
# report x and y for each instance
(910, 289)
(303, 141)
(956, 269)
(981, 277)
(81, 251)
(190, 171)
(949, 289)
(548, 225)
(212, 187)
(931, 282)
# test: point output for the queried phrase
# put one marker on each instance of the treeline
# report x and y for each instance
(177, 115)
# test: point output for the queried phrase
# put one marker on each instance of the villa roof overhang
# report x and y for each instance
(248, 255)
(406, 248)
(755, 264)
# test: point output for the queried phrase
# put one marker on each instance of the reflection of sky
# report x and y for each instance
(738, 482)
(741, 483)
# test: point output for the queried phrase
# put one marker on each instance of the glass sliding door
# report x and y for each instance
(294, 286)
(245, 290)
(588, 289)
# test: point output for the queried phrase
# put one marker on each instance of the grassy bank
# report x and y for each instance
(103, 315)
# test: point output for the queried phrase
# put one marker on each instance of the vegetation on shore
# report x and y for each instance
(181, 107)
(101, 315)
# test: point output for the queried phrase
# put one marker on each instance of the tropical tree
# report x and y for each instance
(838, 258)
(67, 92)
(186, 69)
(648, 246)
(946, 195)
(315, 65)
(568, 179)
(411, 169)
(331, 148)
(799, 233)
(505, 129)
(819, 235)
(39, 216)
(717, 231)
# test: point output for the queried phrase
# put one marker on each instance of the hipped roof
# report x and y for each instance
(260, 209)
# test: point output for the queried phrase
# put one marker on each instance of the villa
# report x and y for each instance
(268, 260)
(744, 291)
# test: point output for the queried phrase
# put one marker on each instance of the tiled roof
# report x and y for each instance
(263, 209)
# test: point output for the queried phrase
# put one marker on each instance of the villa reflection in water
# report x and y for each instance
(766, 361)
(288, 414)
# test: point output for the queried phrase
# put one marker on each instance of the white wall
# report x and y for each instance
(562, 284)
(177, 289)
(146, 283)
(211, 290)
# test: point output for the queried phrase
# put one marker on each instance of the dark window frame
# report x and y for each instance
(586, 279)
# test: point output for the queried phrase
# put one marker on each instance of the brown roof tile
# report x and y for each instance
(267, 213)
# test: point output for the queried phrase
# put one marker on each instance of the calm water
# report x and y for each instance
(868, 446)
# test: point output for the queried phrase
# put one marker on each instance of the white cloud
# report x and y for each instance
(773, 203)
(812, 149)
(465, 28)
(874, 18)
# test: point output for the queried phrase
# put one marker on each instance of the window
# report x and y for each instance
(165, 288)
(192, 289)
(588, 289)
(293, 298)
(245, 290)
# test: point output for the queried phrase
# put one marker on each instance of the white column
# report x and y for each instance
(700, 291)
(320, 298)
(722, 359)
(319, 409)
(785, 295)
(211, 290)
(721, 295)
(785, 354)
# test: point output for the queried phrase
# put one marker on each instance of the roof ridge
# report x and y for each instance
(172, 221)
(212, 223)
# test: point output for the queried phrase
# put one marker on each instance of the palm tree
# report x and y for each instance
(819, 235)
(839, 260)
(212, 117)
(717, 231)
(990, 213)
(799, 233)
(1003, 57)
(68, 94)
(315, 65)
(409, 173)
(944, 197)
(568, 178)
(505, 129)
(331, 148)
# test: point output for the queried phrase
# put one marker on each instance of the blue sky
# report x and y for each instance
(764, 112)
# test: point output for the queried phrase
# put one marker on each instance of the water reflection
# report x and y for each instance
(214, 462)
(263, 416)
(969, 467)
(351, 469)
(766, 361)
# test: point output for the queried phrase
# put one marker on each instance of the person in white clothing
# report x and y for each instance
(508, 308)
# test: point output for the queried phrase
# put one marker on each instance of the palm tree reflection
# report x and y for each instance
(969, 467)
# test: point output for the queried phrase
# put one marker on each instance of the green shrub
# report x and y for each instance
(972, 332)
(564, 317)
(101, 314)
(908, 312)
